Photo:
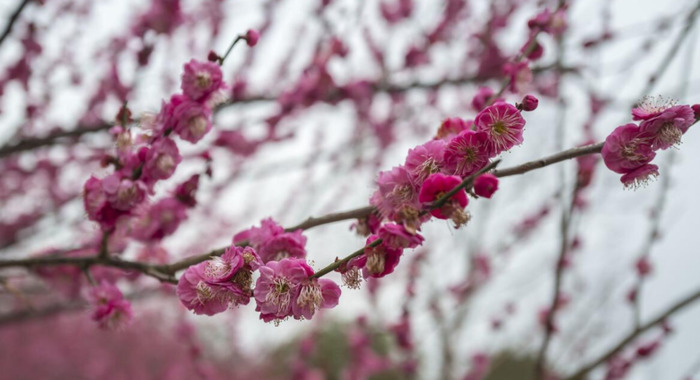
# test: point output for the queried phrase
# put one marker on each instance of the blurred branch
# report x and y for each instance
(28, 314)
(51, 139)
(13, 19)
(680, 305)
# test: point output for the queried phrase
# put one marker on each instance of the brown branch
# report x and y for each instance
(85, 262)
(546, 161)
(53, 138)
(680, 305)
(331, 218)
(13, 19)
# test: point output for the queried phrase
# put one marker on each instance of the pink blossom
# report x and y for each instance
(485, 185)
(397, 196)
(284, 290)
(377, 261)
(503, 124)
(651, 106)
(396, 236)
(252, 36)
(627, 149)
(161, 160)
(96, 205)
(256, 236)
(696, 110)
(186, 191)
(640, 177)
(232, 274)
(201, 79)
(483, 94)
(190, 120)
(313, 295)
(110, 309)
(366, 226)
(435, 187)
(667, 128)
(284, 245)
(467, 152)
(550, 22)
(161, 220)
(122, 193)
(425, 159)
(196, 293)
(519, 74)
(272, 242)
(452, 127)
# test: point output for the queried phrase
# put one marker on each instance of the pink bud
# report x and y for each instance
(696, 109)
(529, 103)
(485, 185)
(252, 36)
(213, 57)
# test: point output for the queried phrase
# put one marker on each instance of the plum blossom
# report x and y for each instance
(503, 124)
(161, 160)
(201, 79)
(377, 261)
(196, 293)
(110, 309)
(651, 106)
(161, 220)
(451, 127)
(640, 177)
(667, 128)
(396, 236)
(285, 289)
(189, 119)
(627, 149)
(435, 187)
(272, 242)
(425, 160)
(467, 152)
(397, 197)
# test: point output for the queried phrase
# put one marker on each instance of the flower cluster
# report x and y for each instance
(460, 149)
(410, 194)
(213, 286)
(630, 148)
(143, 160)
(110, 309)
(284, 288)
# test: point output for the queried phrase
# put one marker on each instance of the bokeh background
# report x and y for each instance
(324, 155)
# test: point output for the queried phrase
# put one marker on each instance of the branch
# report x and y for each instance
(553, 159)
(13, 19)
(85, 262)
(331, 218)
(53, 138)
(634, 334)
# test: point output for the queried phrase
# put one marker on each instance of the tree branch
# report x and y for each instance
(680, 305)
(53, 138)
(13, 19)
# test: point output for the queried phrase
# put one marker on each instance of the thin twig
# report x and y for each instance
(13, 19)
(678, 306)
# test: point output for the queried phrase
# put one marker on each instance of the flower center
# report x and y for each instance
(203, 80)
(165, 163)
(198, 126)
